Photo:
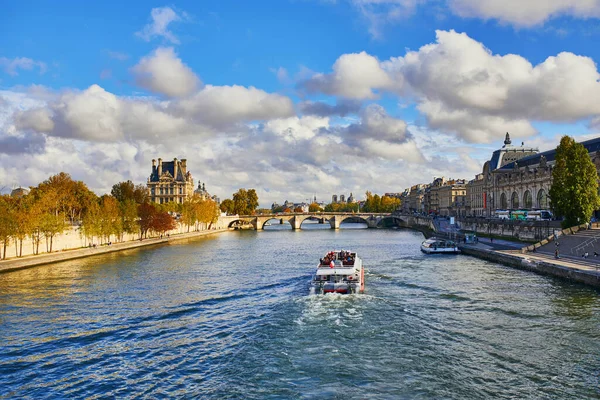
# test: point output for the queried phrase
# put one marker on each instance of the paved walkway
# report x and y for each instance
(591, 266)
(48, 258)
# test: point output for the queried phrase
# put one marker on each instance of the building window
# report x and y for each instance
(503, 203)
(514, 201)
(527, 200)
(542, 199)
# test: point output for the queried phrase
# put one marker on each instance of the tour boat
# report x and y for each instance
(439, 246)
(339, 272)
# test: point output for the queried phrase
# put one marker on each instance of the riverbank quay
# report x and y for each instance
(569, 268)
(66, 255)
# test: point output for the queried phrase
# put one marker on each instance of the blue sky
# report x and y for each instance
(424, 88)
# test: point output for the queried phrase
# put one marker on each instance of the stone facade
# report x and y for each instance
(170, 181)
(525, 184)
(452, 198)
(484, 194)
(474, 200)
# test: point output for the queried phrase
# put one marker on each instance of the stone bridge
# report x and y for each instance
(373, 220)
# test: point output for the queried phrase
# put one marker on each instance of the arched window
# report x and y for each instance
(542, 199)
(527, 200)
(514, 201)
(503, 204)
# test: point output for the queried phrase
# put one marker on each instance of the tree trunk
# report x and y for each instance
(21, 248)
(51, 237)
(4, 258)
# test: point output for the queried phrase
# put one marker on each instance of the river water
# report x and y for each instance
(229, 316)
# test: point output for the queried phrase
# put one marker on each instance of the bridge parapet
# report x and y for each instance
(373, 220)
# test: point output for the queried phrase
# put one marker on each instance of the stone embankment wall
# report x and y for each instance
(73, 238)
(531, 231)
(537, 266)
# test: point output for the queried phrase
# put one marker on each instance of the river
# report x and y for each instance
(229, 316)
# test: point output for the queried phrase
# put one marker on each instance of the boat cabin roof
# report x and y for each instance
(335, 271)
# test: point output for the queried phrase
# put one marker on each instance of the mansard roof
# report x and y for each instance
(591, 146)
(167, 166)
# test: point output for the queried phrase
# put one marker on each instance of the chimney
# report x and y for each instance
(175, 168)
(183, 166)
(153, 166)
(159, 167)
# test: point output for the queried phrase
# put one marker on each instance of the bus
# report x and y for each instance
(502, 214)
(519, 215)
(539, 215)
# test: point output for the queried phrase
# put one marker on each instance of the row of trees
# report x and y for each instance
(60, 202)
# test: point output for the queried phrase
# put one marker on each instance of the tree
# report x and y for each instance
(63, 195)
(162, 222)
(314, 207)
(110, 218)
(51, 225)
(245, 202)
(91, 225)
(7, 222)
(124, 191)
(227, 206)
(574, 191)
(208, 212)
(129, 217)
(298, 209)
(146, 213)
(23, 222)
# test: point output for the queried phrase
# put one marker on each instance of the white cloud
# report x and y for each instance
(12, 66)
(460, 86)
(226, 105)
(354, 76)
(521, 14)
(525, 13)
(99, 116)
(161, 17)
(164, 73)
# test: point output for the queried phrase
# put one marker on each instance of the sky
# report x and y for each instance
(294, 98)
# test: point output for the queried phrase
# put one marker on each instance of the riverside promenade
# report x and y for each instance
(49, 258)
(577, 269)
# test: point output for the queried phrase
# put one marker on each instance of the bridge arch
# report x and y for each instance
(280, 220)
(397, 221)
(354, 217)
(239, 222)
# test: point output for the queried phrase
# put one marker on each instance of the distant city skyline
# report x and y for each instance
(374, 95)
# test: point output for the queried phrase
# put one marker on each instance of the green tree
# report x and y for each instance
(314, 207)
(227, 206)
(574, 191)
(124, 191)
(245, 202)
(252, 202)
(129, 217)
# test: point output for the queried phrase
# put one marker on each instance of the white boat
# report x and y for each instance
(339, 272)
(439, 246)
